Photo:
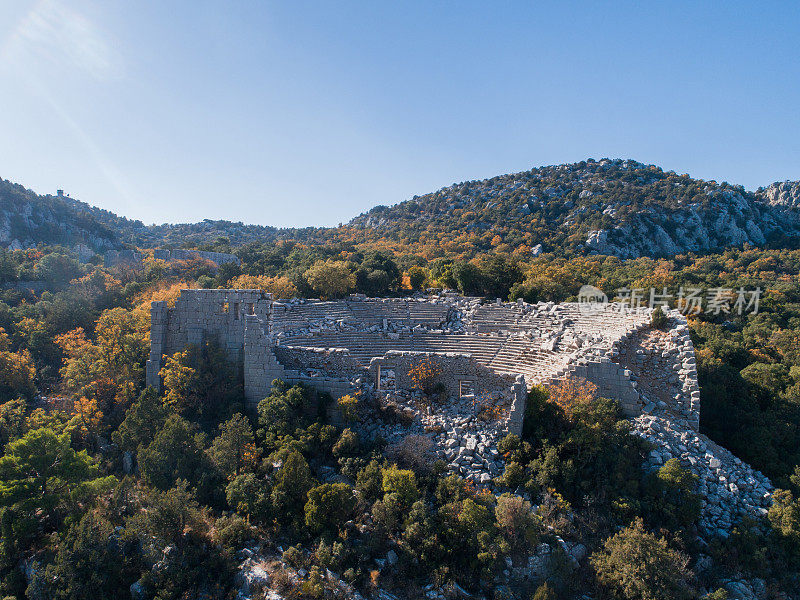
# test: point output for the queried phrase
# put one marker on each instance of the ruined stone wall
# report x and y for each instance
(336, 361)
(550, 343)
(262, 367)
(499, 350)
(461, 377)
(451, 369)
(662, 367)
(218, 258)
(112, 258)
(200, 315)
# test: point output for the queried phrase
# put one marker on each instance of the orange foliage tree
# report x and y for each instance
(571, 393)
(17, 372)
(110, 369)
(423, 374)
(87, 419)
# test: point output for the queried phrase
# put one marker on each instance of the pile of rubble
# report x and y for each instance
(730, 488)
(460, 436)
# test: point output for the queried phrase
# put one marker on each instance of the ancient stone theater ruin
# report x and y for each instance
(480, 360)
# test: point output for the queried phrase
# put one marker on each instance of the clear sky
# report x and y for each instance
(298, 113)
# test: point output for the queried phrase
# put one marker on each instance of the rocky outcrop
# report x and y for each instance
(726, 218)
(783, 194)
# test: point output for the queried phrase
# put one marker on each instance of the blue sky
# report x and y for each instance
(300, 113)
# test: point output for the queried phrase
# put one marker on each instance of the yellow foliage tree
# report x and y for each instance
(349, 406)
(87, 419)
(111, 369)
(423, 374)
(17, 372)
(180, 381)
(279, 287)
(330, 278)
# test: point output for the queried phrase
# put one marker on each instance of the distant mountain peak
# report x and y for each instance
(610, 206)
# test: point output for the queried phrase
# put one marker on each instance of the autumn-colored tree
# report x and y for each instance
(279, 287)
(517, 520)
(110, 369)
(349, 406)
(87, 419)
(179, 381)
(160, 292)
(423, 374)
(544, 592)
(330, 279)
(571, 393)
(17, 372)
(200, 382)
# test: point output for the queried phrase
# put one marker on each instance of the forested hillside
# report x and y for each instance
(614, 207)
(184, 495)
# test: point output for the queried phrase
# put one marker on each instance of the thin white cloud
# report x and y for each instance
(52, 41)
(52, 34)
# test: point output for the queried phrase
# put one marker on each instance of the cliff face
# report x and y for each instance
(724, 218)
(782, 194)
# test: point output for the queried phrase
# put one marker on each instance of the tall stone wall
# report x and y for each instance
(330, 361)
(159, 317)
(262, 367)
(612, 381)
(199, 315)
(600, 348)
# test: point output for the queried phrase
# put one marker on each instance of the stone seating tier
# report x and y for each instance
(292, 316)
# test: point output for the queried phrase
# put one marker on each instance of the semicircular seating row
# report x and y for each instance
(488, 339)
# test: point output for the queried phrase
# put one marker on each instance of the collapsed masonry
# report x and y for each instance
(484, 358)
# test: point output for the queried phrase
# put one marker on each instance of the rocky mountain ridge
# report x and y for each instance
(616, 207)
(28, 219)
